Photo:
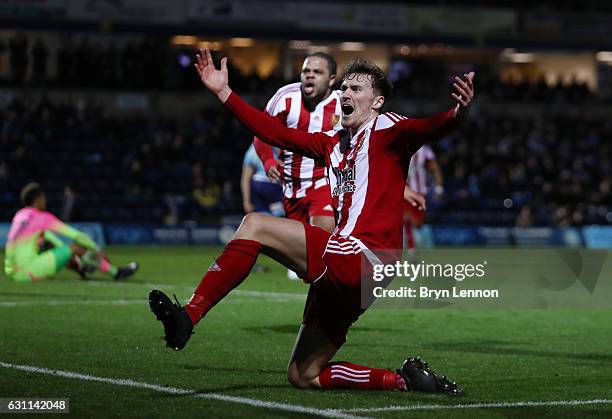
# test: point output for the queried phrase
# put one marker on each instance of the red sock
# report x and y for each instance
(225, 274)
(346, 375)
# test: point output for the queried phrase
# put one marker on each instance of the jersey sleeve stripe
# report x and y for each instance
(399, 117)
(392, 116)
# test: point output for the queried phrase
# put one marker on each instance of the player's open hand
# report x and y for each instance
(215, 80)
(415, 199)
(273, 169)
(464, 92)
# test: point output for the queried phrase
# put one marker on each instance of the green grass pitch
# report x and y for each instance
(234, 365)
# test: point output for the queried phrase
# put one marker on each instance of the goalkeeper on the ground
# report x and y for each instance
(35, 252)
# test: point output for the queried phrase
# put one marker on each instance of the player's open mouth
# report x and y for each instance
(309, 88)
(347, 109)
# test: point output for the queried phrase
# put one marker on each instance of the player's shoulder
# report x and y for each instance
(426, 149)
(291, 90)
(388, 120)
(428, 152)
(288, 90)
(26, 212)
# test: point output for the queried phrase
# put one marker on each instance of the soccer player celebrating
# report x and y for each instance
(311, 106)
(368, 162)
(34, 229)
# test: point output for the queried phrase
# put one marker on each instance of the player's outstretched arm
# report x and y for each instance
(75, 235)
(417, 131)
(48, 222)
(259, 123)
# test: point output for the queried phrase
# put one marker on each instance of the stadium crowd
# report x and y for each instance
(149, 63)
(528, 169)
(122, 170)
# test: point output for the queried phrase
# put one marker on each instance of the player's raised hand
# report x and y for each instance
(464, 92)
(215, 80)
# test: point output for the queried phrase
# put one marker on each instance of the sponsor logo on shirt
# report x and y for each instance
(345, 180)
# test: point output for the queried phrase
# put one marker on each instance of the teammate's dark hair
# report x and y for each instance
(380, 83)
(30, 193)
(331, 63)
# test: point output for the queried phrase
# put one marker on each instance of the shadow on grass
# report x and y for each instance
(294, 328)
(495, 347)
(192, 367)
(278, 328)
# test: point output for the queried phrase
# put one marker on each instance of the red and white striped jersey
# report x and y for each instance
(301, 173)
(417, 172)
(367, 169)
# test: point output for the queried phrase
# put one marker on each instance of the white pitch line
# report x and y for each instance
(255, 294)
(480, 405)
(264, 294)
(69, 302)
(281, 296)
(329, 413)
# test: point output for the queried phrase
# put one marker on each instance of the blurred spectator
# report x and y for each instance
(206, 195)
(67, 204)
(525, 219)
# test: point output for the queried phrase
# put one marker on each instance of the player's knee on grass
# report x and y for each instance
(300, 380)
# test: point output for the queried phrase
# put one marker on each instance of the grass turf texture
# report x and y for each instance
(241, 348)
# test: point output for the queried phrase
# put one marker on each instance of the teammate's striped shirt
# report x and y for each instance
(300, 173)
(417, 173)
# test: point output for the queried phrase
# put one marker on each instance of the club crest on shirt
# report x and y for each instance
(335, 119)
(360, 144)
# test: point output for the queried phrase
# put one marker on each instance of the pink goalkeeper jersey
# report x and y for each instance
(367, 170)
(302, 173)
(28, 222)
(27, 232)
